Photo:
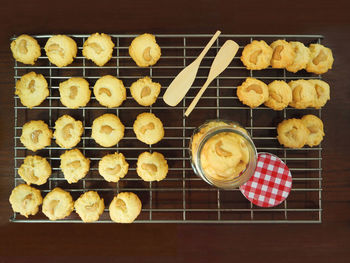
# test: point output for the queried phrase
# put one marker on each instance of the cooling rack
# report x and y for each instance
(182, 197)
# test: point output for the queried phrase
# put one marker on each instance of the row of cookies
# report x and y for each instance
(58, 204)
(293, 56)
(32, 90)
(278, 94)
(61, 49)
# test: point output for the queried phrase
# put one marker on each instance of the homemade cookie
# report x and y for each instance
(74, 165)
(304, 94)
(148, 128)
(125, 207)
(144, 91)
(32, 89)
(283, 54)
(315, 127)
(98, 48)
(89, 206)
(321, 59)
(256, 55)
(36, 135)
(152, 166)
(253, 92)
(144, 50)
(322, 92)
(107, 130)
(109, 91)
(74, 92)
(112, 167)
(35, 170)
(292, 133)
(68, 131)
(58, 204)
(280, 95)
(302, 57)
(25, 200)
(61, 50)
(25, 49)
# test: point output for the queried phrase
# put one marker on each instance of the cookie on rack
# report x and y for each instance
(68, 131)
(152, 166)
(302, 57)
(304, 94)
(74, 92)
(253, 92)
(58, 204)
(280, 95)
(25, 49)
(107, 130)
(322, 92)
(125, 207)
(61, 50)
(256, 55)
(110, 91)
(283, 54)
(36, 135)
(98, 48)
(315, 127)
(144, 50)
(321, 59)
(145, 91)
(89, 206)
(113, 167)
(74, 165)
(35, 170)
(25, 200)
(292, 133)
(148, 128)
(32, 89)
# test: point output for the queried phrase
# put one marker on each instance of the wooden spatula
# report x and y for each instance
(224, 57)
(184, 80)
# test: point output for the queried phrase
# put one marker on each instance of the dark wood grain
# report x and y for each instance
(326, 242)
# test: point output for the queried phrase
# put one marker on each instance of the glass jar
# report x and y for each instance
(223, 153)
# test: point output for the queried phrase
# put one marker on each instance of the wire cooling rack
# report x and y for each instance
(182, 197)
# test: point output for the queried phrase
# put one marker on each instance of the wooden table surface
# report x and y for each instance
(326, 242)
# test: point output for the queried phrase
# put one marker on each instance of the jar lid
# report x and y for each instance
(271, 182)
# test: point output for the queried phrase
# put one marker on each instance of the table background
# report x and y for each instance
(326, 242)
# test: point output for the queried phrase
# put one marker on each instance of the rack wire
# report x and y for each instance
(182, 197)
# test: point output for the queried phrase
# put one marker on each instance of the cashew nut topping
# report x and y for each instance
(254, 57)
(145, 91)
(147, 54)
(149, 167)
(73, 92)
(55, 48)
(149, 126)
(120, 204)
(22, 46)
(106, 129)
(104, 91)
(115, 170)
(96, 47)
(297, 93)
(75, 164)
(254, 87)
(52, 206)
(31, 86)
(66, 131)
(277, 52)
(276, 97)
(320, 57)
(35, 135)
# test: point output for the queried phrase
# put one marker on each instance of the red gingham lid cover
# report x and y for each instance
(271, 183)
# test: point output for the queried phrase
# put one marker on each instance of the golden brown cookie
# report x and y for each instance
(89, 206)
(36, 135)
(25, 49)
(68, 131)
(321, 59)
(283, 54)
(144, 50)
(125, 207)
(280, 95)
(315, 127)
(112, 167)
(148, 128)
(35, 170)
(107, 130)
(58, 204)
(152, 166)
(61, 50)
(98, 48)
(256, 55)
(74, 92)
(110, 91)
(25, 200)
(144, 91)
(302, 57)
(322, 92)
(304, 94)
(74, 165)
(253, 92)
(292, 133)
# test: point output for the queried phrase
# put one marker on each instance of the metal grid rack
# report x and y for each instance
(181, 197)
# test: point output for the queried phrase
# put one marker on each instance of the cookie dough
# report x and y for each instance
(36, 135)
(144, 50)
(280, 95)
(74, 165)
(107, 130)
(302, 57)
(145, 92)
(253, 92)
(256, 55)
(292, 133)
(35, 170)
(152, 166)
(61, 50)
(315, 127)
(98, 48)
(68, 131)
(89, 206)
(321, 59)
(109, 91)
(304, 94)
(283, 54)
(74, 92)
(25, 49)
(148, 128)
(125, 207)
(322, 92)
(58, 204)
(32, 89)
(112, 167)
(25, 200)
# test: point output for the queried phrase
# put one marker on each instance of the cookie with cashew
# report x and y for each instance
(256, 55)
(25, 49)
(292, 133)
(35, 170)
(36, 135)
(125, 207)
(322, 92)
(25, 200)
(58, 204)
(61, 50)
(74, 165)
(315, 127)
(110, 91)
(98, 48)
(89, 206)
(32, 89)
(145, 91)
(321, 59)
(301, 58)
(253, 92)
(304, 94)
(280, 95)
(282, 54)
(148, 128)
(74, 92)
(107, 130)
(144, 50)
(68, 131)
(113, 167)
(152, 166)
